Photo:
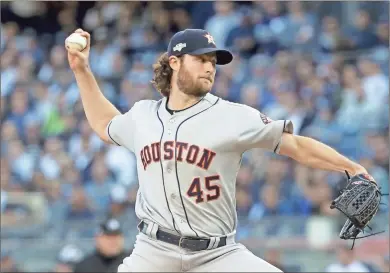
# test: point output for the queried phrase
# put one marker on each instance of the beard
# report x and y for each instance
(190, 86)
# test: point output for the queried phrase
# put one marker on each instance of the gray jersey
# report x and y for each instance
(188, 162)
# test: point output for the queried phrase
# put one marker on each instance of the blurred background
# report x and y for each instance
(323, 65)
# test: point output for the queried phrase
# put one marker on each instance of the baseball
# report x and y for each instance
(76, 41)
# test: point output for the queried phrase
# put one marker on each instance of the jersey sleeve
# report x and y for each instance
(256, 130)
(121, 129)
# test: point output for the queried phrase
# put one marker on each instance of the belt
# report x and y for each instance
(190, 243)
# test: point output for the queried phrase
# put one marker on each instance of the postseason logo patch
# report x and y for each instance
(265, 119)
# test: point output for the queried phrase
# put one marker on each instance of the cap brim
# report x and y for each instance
(110, 232)
(103, 231)
(223, 56)
(113, 233)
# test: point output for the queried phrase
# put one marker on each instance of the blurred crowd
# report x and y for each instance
(329, 77)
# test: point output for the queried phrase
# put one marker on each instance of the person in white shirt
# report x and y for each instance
(375, 86)
(347, 261)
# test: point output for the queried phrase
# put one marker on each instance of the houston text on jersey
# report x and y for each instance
(192, 154)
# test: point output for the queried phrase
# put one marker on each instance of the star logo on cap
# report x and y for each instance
(210, 38)
(113, 224)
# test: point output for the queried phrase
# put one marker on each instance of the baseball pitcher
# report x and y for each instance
(188, 147)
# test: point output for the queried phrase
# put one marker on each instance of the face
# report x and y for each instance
(278, 171)
(99, 171)
(245, 176)
(271, 7)
(270, 196)
(304, 70)
(71, 175)
(349, 75)
(85, 128)
(294, 6)
(53, 189)
(365, 67)
(4, 174)
(19, 102)
(272, 256)
(383, 31)
(326, 114)
(362, 20)
(243, 199)
(38, 181)
(330, 24)
(222, 7)
(57, 56)
(196, 74)
(6, 263)
(117, 209)
(32, 134)
(16, 149)
(63, 268)
(110, 245)
(9, 131)
(250, 95)
(53, 145)
(344, 255)
(78, 199)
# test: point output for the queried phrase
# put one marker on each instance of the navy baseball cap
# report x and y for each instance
(110, 227)
(197, 42)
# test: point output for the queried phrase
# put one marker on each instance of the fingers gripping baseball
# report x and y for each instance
(86, 35)
(78, 46)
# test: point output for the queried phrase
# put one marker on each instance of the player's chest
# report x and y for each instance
(196, 141)
(204, 131)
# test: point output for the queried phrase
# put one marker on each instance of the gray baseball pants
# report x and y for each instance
(151, 255)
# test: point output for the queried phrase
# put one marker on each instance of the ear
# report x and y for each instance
(174, 63)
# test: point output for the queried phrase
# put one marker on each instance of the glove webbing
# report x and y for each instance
(369, 235)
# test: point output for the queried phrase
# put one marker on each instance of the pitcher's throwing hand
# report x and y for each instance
(78, 60)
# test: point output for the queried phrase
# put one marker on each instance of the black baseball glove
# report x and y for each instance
(359, 201)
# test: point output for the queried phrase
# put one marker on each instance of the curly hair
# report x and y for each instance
(162, 75)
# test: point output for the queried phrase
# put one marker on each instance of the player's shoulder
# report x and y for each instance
(145, 105)
(238, 108)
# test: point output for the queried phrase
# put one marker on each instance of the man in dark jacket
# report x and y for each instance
(110, 250)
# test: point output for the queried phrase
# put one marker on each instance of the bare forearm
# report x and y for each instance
(98, 110)
(318, 155)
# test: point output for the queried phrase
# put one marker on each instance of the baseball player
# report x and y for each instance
(188, 147)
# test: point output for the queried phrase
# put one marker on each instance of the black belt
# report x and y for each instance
(190, 243)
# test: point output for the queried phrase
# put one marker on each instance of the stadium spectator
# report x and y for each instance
(98, 188)
(346, 261)
(109, 252)
(300, 27)
(385, 266)
(361, 35)
(273, 256)
(331, 38)
(80, 208)
(223, 21)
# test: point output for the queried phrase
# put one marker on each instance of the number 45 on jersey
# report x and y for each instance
(198, 186)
